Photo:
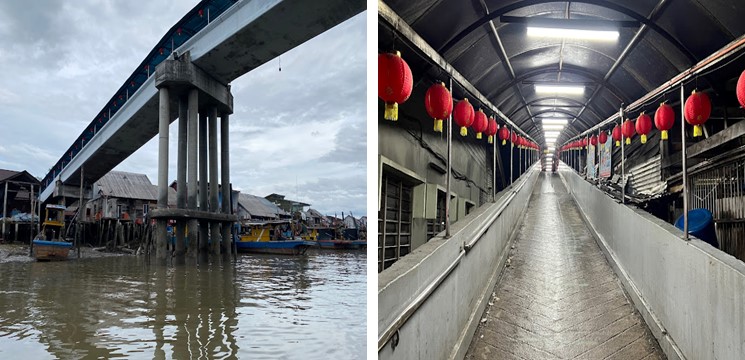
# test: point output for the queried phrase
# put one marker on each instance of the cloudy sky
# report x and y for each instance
(299, 131)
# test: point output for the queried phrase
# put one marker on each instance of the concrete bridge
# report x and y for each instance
(187, 76)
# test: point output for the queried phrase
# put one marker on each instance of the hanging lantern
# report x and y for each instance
(514, 138)
(463, 115)
(741, 89)
(480, 123)
(643, 126)
(627, 130)
(439, 104)
(664, 118)
(504, 134)
(395, 82)
(603, 138)
(697, 111)
(616, 134)
(492, 129)
(594, 140)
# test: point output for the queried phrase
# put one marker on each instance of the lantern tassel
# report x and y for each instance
(438, 125)
(618, 143)
(504, 142)
(628, 141)
(491, 139)
(664, 135)
(463, 131)
(478, 135)
(391, 111)
(697, 131)
(644, 138)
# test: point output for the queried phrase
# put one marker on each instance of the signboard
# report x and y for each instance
(591, 161)
(605, 158)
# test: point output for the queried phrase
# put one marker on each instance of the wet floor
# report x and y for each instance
(264, 306)
(559, 298)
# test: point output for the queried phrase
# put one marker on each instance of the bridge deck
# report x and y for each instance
(558, 298)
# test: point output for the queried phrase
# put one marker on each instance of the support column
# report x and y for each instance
(203, 204)
(181, 178)
(213, 185)
(5, 208)
(225, 181)
(192, 114)
(164, 112)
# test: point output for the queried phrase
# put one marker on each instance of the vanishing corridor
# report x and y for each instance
(558, 297)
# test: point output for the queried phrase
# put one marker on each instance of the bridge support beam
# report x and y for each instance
(164, 114)
(192, 113)
(227, 238)
(200, 99)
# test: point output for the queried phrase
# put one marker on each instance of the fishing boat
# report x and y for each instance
(346, 239)
(48, 244)
(271, 237)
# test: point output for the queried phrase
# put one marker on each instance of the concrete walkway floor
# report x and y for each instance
(558, 298)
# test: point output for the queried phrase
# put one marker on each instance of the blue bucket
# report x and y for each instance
(700, 225)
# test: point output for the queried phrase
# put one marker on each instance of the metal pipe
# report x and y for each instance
(494, 169)
(164, 114)
(512, 147)
(683, 162)
(623, 160)
(449, 169)
(78, 239)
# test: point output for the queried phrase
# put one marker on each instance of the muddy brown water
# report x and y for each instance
(262, 306)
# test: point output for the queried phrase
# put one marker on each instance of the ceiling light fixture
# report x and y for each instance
(554, 121)
(559, 89)
(552, 127)
(567, 33)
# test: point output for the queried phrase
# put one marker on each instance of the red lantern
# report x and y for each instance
(504, 134)
(480, 123)
(616, 134)
(514, 138)
(594, 140)
(741, 89)
(697, 111)
(439, 104)
(463, 115)
(664, 118)
(603, 138)
(395, 82)
(627, 129)
(492, 129)
(643, 126)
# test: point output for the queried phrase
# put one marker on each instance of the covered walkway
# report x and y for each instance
(559, 298)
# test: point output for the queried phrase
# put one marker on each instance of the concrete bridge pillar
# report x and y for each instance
(227, 239)
(193, 89)
(164, 114)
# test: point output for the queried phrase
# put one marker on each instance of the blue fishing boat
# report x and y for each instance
(48, 244)
(51, 250)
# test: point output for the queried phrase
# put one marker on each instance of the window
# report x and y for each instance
(118, 211)
(437, 225)
(394, 221)
(145, 209)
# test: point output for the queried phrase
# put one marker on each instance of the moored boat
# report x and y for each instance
(271, 237)
(51, 250)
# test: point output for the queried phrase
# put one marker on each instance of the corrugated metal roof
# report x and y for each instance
(127, 186)
(314, 213)
(259, 206)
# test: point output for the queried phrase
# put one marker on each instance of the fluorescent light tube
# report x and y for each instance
(551, 134)
(554, 121)
(582, 34)
(559, 89)
(552, 127)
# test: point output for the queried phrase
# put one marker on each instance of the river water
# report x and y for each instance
(263, 306)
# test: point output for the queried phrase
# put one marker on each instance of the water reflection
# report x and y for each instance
(263, 306)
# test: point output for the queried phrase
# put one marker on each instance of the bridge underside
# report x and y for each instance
(559, 298)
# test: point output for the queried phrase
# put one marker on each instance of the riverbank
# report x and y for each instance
(19, 253)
